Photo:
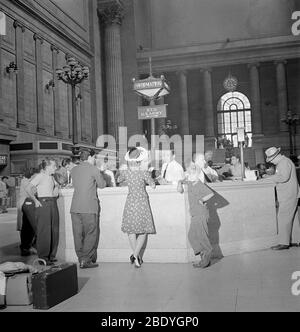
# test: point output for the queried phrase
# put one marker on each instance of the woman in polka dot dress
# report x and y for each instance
(137, 216)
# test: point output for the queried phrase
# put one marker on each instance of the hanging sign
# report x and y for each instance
(152, 112)
(241, 134)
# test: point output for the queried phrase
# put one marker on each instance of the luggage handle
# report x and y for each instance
(39, 260)
(38, 267)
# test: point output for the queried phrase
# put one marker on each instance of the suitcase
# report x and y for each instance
(18, 290)
(54, 286)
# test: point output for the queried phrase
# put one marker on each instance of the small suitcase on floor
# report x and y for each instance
(54, 285)
(18, 290)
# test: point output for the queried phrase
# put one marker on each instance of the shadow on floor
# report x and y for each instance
(81, 283)
(11, 253)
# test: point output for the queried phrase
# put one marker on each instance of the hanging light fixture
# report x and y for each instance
(230, 83)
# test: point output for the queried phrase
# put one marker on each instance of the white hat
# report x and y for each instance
(140, 155)
(271, 153)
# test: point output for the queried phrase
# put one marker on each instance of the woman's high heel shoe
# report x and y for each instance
(137, 262)
(132, 259)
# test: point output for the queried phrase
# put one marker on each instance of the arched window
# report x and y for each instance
(234, 111)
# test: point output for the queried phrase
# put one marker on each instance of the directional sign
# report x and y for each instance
(152, 112)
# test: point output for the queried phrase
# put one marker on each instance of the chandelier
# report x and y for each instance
(230, 83)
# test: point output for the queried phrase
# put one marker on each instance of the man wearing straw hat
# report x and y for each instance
(287, 195)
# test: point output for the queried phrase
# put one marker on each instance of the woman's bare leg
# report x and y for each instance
(132, 241)
(139, 244)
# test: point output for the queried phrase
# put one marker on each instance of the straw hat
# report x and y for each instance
(271, 153)
(138, 154)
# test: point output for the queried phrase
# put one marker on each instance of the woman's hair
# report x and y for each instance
(65, 162)
(45, 163)
(28, 173)
(133, 153)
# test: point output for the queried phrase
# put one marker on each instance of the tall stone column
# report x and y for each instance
(184, 105)
(1, 84)
(255, 98)
(209, 109)
(56, 93)
(81, 106)
(281, 92)
(111, 14)
(39, 83)
(19, 31)
(257, 141)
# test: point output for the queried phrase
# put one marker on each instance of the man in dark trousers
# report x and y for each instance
(85, 209)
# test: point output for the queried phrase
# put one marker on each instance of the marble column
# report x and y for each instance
(255, 98)
(56, 93)
(81, 106)
(39, 83)
(1, 84)
(111, 16)
(184, 105)
(209, 109)
(281, 93)
(19, 31)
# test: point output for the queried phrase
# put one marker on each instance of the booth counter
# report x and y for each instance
(242, 219)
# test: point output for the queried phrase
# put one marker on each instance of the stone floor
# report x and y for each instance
(259, 281)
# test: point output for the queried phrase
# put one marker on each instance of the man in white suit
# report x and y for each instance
(288, 193)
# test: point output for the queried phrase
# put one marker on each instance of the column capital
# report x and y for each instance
(253, 65)
(205, 69)
(18, 24)
(111, 11)
(280, 61)
(181, 72)
(54, 48)
(38, 37)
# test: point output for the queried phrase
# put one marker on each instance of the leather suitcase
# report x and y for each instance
(54, 286)
(18, 290)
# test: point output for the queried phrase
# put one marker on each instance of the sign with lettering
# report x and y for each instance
(152, 112)
(241, 134)
(3, 160)
(153, 84)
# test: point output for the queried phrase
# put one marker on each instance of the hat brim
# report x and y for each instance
(269, 159)
(142, 157)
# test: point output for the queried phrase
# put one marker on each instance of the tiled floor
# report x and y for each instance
(258, 281)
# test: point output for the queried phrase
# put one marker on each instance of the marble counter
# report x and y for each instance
(242, 219)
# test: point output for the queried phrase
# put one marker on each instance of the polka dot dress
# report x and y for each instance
(137, 215)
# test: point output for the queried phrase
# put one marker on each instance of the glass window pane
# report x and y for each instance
(241, 121)
(227, 122)
(235, 141)
(248, 116)
(248, 127)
